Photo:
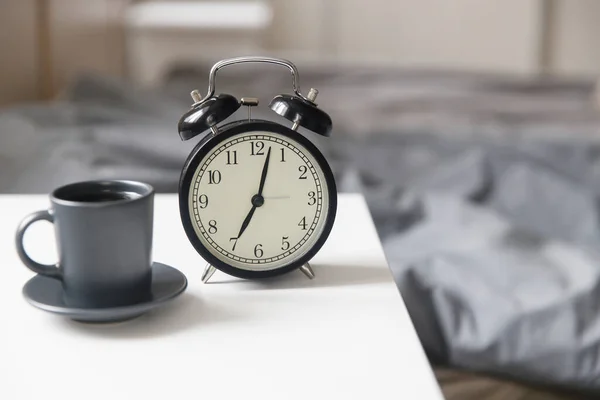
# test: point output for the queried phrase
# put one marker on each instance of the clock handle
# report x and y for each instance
(253, 59)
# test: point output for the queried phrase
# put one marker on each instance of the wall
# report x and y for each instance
(472, 34)
(577, 37)
(458, 34)
(19, 80)
(500, 35)
(44, 43)
(85, 35)
(494, 35)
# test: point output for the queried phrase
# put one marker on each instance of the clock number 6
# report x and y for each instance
(258, 251)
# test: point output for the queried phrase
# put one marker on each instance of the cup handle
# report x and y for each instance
(51, 271)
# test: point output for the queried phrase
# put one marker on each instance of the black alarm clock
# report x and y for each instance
(257, 199)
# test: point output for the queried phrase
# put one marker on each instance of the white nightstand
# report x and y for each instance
(344, 335)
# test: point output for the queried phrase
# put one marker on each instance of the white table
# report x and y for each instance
(344, 335)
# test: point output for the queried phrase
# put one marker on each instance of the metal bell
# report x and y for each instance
(302, 112)
(207, 115)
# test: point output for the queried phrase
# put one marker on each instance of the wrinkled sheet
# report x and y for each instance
(496, 254)
(484, 193)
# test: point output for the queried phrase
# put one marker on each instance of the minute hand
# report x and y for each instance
(263, 177)
(257, 196)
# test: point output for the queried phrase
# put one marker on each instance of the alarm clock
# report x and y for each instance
(256, 198)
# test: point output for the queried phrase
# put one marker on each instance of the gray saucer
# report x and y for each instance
(46, 293)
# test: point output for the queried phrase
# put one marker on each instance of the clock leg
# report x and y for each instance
(307, 270)
(208, 272)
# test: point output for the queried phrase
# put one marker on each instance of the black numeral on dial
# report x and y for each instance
(258, 251)
(214, 177)
(303, 169)
(203, 199)
(257, 148)
(285, 244)
(302, 223)
(312, 199)
(212, 226)
(234, 242)
(282, 154)
(232, 157)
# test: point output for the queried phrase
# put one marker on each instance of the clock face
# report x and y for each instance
(258, 201)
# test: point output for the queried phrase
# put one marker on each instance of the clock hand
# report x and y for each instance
(257, 199)
(263, 177)
(246, 221)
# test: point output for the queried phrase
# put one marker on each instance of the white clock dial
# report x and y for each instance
(276, 229)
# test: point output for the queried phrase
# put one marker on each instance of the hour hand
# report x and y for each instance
(257, 199)
(246, 221)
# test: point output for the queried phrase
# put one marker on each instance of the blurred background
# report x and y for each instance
(471, 127)
(46, 43)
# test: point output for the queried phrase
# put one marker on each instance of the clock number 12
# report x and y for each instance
(257, 148)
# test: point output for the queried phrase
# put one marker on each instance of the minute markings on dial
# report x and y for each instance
(226, 245)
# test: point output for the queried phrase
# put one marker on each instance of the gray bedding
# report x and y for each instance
(484, 191)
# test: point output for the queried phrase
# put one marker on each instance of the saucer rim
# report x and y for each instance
(100, 313)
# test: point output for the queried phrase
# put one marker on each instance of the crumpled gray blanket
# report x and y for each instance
(496, 252)
(490, 226)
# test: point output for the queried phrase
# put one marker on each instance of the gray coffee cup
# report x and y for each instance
(104, 235)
